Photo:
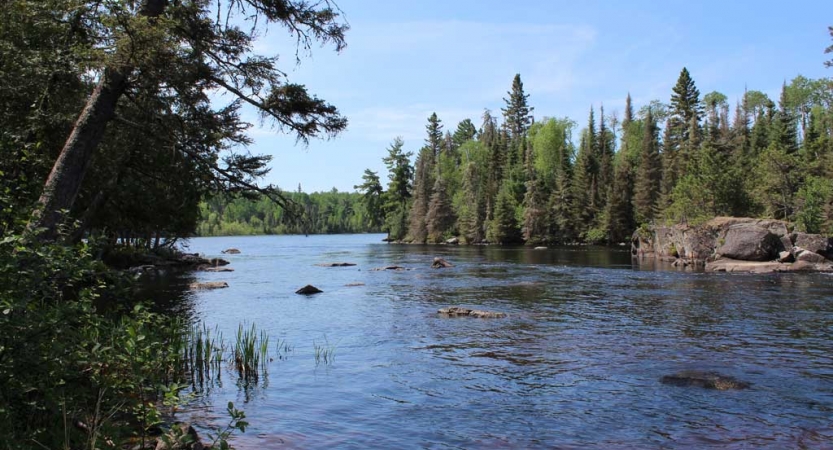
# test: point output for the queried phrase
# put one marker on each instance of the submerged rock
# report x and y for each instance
(308, 290)
(216, 269)
(458, 311)
(353, 284)
(703, 379)
(395, 268)
(336, 264)
(440, 263)
(231, 251)
(209, 285)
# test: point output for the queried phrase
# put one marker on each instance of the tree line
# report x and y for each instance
(516, 180)
(330, 212)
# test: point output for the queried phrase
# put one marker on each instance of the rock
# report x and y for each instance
(336, 264)
(458, 311)
(807, 256)
(440, 263)
(354, 284)
(308, 290)
(749, 242)
(708, 380)
(231, 251)
(453, 241)
(209, 285)
(396, 268)
(540, 248)
(785, 257)
(731, 265)
(815, 243)
(218, 262)
(216, 269)
(180, 437)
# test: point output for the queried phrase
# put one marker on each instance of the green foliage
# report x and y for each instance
(70, 374)
(815, 199)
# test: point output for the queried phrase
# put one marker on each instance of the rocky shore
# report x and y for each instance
(735, 244)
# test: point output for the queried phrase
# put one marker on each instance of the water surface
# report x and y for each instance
(576, 364)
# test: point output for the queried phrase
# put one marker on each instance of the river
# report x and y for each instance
(576, 364)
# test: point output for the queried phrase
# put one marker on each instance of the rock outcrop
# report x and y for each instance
(732, 244)
(458, 311)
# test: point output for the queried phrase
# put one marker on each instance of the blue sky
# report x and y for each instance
(405, 60)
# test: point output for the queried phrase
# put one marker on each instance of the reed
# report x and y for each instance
(324, 353)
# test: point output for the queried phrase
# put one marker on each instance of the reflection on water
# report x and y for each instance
(577, 363)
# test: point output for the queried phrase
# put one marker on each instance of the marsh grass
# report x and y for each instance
(324, 353)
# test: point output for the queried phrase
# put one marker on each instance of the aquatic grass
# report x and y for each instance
(325, 353)
(251, 352)
(283, 349)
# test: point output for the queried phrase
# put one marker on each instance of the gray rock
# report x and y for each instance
(216, 269)
(453, 241)
(808, 256)
(308, 290)
(540, 248)
(231, 251)
(336, 264)
(209, 285)
(815, 243)
(749, 242)
(218, 262)
(703, 379)
(785, 257)
(459, 311)
(440, 263)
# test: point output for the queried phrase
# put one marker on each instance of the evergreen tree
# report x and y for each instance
(434, 140)
(584, 184)
(503, 228)
(685, 102)
(619, 207)
(400, 176)
(372, 192)
(465, 132)
(606, 155)
(647, 184)
(440, 218)
(518, 113)
(423, 183)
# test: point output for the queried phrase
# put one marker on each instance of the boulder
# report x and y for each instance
(540, 248)
(458, 311)
(703, 379)
(749, 242)
(231, 251)
(208, 285)
(308, 290)
(808, 256)
(218, 262)
(452, 241)
(815, 243)
(732, 265)
(785, 257)
(336, 264)
(440, 263)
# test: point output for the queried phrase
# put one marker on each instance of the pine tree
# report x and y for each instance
(685, 102)
(434, 141)
(440, 218)
(517, 114)
(620, 207)
(423, 183)
(372, 192)
(585, 195)
(503, 228)
(647, 184)
(400, 176)
(606, 154)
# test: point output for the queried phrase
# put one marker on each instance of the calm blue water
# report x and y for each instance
(575, 365)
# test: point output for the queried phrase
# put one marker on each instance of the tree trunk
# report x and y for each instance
(65, 179)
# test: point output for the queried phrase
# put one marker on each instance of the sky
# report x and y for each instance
(405, 60)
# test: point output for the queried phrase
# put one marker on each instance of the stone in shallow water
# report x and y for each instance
(209, 285)
(308, 290)
(703, 379)
(336, 264)
(458, 311)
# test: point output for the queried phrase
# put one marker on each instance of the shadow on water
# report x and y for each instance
(576, 363)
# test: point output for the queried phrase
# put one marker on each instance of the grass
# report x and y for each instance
(325, 353)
